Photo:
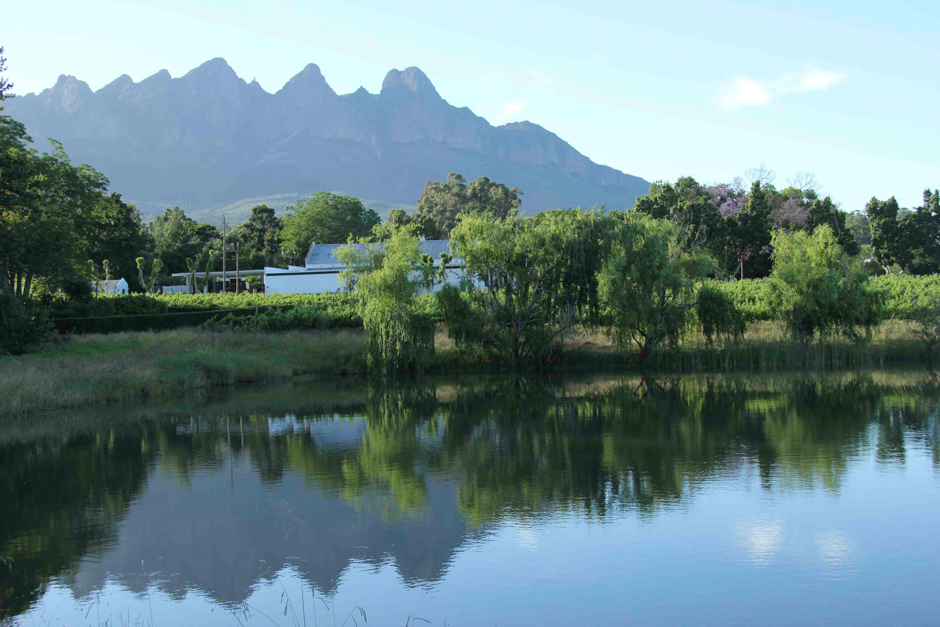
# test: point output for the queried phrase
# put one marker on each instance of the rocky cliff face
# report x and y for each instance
(209, 137)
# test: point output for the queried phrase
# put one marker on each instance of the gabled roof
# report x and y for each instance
(325, 254)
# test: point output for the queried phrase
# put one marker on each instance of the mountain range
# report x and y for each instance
(211, 142)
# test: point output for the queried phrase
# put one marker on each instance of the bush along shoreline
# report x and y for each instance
(641, 288)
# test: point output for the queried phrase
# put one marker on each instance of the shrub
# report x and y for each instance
(459, 313)
(904, 294)
(817, 288)
(23, 325)
(107, 305)
(283, 319)
(115, 324)
(750, 297)
(718, 315)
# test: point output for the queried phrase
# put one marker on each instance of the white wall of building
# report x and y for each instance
(280, 281)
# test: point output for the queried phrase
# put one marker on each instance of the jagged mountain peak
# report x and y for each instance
(209, 138)
(213, 67)
(162, 76)
(310, 79)
(410, 81)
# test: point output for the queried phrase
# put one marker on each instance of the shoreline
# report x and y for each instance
(89, 371)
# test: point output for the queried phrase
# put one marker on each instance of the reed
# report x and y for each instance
(142, 365)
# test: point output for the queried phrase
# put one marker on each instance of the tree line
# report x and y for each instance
(62, 227)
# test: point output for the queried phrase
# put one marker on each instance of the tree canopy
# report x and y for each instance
(325, 219)
(443, 202)
(177, 237)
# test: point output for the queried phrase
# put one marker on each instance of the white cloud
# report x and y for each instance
(749, 92)
(745, 93)
(511, 109)
(820, 79)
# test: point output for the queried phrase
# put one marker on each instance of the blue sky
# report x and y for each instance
(846, 90)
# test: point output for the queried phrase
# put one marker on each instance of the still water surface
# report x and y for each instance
(721, 500)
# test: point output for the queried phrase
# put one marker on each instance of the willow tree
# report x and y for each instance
(538, 277)
(386, 279)
(648, 285)
(818, 288)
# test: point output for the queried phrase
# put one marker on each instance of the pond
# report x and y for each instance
(708, 500)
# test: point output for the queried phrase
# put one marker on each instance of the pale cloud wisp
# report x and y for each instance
(749, 92)
(510, 110)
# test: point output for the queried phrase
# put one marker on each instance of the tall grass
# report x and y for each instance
(767, 346)
(140, 365)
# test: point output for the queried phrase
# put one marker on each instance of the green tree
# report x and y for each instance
(386, 279)
(649, 283)
(749, 232)
(262, 234)
(689, 205)
(177, 237)
(443, 202)
(857, 224)
(818, 288)
(885, 234)
(46, 204)
(115, 231)
(148, 283)
(824, 212)
(5, 84)
(423, 225)
(919, 237)
(536, 276)
(324, 219)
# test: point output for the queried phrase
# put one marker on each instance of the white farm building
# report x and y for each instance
(320, 272)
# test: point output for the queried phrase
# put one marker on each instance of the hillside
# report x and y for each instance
(209, 140)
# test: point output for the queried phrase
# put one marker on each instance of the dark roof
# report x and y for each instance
(325, 254)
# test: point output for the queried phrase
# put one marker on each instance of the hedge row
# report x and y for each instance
(899, 293)
(148, 322)
(107, 305)
(229, 300)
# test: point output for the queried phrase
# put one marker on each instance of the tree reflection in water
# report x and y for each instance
(411, 470)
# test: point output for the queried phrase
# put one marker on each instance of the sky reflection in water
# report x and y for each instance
(710, 500)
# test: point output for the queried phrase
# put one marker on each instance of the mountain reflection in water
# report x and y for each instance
(218, 496)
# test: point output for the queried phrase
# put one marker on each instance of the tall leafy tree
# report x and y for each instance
(689, 205)
(262, 232)
(885, 234)
(46, 204)
(177, 236)
(749, 233)
(115, 233)
(324, 219)
(858, 224)
(5, 85)
(919, 237)
(648, 282)
(824, 212)
(443, 202)
(536, 276)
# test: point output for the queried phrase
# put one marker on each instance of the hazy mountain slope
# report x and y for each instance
(209, 139)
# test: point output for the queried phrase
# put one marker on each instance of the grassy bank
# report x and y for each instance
(134, 365)
(765, 346)
(144, 365)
